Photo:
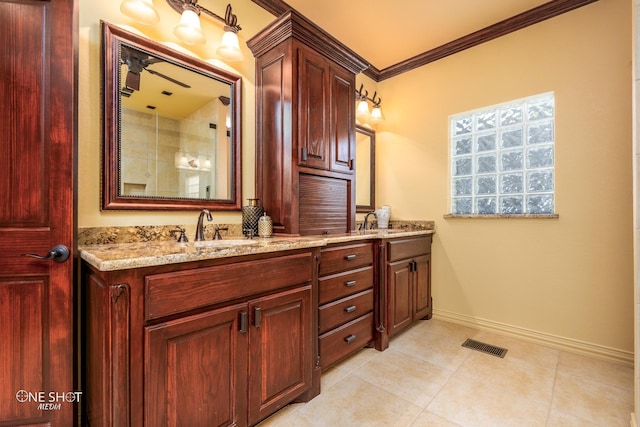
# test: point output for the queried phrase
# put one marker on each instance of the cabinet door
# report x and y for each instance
(342, 137)
(422, 287)
(281, 350)
(195, 370)
(313, 113)
(400, 295)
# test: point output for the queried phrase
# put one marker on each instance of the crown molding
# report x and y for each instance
(530, 17)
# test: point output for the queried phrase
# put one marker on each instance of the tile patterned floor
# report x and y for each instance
(426, 379)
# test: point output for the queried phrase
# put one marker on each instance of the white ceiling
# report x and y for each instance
(386, 32)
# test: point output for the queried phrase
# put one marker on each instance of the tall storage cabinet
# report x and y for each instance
(305, 137)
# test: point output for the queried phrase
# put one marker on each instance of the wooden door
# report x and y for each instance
(422, 287)
(280, 350)
(399, 293)
(342, 138)
(195, 370)
(313, 113)
(37, 131)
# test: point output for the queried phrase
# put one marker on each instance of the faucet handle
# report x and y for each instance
(182, 238)
(216, 234)
(249, 232)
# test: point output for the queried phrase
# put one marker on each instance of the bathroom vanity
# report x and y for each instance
(228, 332)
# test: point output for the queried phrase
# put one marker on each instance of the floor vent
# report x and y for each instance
(485, 348)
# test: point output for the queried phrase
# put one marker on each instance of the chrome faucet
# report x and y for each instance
(200, 226)
(366, 219)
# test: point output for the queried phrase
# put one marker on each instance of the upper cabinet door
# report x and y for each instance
(313, 111)
(342, 122)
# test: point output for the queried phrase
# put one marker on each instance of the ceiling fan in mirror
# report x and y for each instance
(137, 62)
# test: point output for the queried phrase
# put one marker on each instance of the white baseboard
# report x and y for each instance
(549, 340)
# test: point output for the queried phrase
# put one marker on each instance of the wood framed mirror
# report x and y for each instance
(171, 128)
(365, 169)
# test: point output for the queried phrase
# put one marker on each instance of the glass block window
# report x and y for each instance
(502, 158)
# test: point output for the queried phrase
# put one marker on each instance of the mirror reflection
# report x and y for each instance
(176, 141)
(365, 169)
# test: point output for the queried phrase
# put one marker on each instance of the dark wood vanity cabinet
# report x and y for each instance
(200, 344)
(346, 300)
(305, 131)
(407, 284)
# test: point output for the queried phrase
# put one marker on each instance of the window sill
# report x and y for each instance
(502, 216)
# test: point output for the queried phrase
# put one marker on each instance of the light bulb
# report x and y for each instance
(188, 30)
(140, 10)
(362, 111)
(229, 48)
(376, 115)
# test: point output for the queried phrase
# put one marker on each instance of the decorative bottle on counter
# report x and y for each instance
(250, 216)
(265, 226)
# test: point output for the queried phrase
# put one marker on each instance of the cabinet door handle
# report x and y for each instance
(350, 257)
(257, 317)
(304, 154)
(244, 322)
(350, 309)
(350, 283)
(351, 338)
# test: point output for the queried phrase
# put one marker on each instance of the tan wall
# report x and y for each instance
(571, 277)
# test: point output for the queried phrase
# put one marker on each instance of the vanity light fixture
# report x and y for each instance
(188, 29)
(229, 48)
(362, 108)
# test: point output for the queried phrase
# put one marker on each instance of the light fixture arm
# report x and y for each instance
(365, 96)
(230, 20)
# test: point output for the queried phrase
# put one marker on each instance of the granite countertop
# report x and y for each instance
(122, 256)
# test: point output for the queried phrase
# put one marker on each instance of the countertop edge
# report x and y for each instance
(123, 256)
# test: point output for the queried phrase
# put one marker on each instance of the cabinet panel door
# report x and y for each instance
(195, 370)
(422, 287)
(313, 114)
(281, 350)
(342, 137)
(400, 306)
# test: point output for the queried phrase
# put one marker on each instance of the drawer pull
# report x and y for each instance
(350, 309)
(351, 338)
(244, 322)
(350, 283)
(350, 257)
(257, 317)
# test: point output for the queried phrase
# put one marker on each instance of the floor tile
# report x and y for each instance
(429, 419)
(522, 350)
(355, 402)
(473, 403)
(408, 377)
(440, 345)
(601, 371)
(559, 419)
(525, 379)
(592, 401)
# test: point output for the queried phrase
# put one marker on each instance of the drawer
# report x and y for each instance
(408, 248)
(175, 292)
(343, 284)
(345, 340)
(342, 258)
(344, 310)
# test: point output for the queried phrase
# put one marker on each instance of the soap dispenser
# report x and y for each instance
(265, 226)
